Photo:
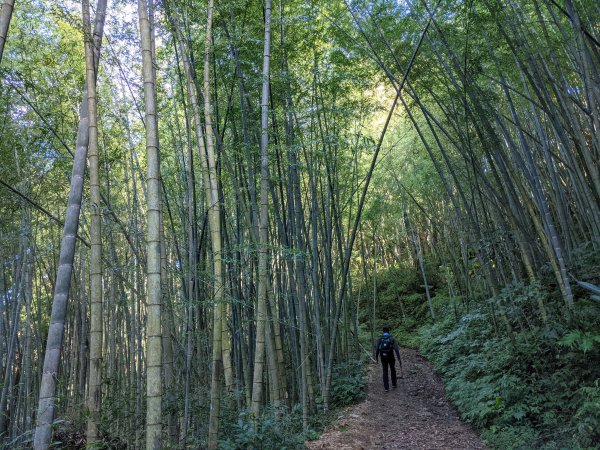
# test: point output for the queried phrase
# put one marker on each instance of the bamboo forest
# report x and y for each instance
(210, 211)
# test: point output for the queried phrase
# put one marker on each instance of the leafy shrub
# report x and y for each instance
(587, 414)
(347, 384)
(283, 429)
(527, 377)
(401, 303)
(276, 428)
(535, 388)
(510, 437)
(581, 340)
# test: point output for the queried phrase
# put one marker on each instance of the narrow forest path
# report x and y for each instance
(417, 415)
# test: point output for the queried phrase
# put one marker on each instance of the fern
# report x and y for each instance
(535, 389)
(581, 340)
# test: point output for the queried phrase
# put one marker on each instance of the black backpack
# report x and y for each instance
(386, 347)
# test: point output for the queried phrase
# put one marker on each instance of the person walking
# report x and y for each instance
(386, 347)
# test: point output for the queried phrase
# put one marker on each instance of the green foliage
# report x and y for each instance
(276, 428)
(588, 412)
(584, 261)
(347, 385)
(510, 437)
(535, 388)
(401, 304)
(581, 340)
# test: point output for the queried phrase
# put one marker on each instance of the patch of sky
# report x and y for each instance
(7, 297)
(344, 51)
(572, 90)
(19, 113)
(48, 151)
(485, 164)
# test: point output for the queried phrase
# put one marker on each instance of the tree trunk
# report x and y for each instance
(209, 167)
(95, 367)
(45, 415)
(154, 294)
(261, 314)
(5, 16)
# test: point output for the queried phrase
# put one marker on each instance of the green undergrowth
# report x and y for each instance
(347, 383)
(401, 305)
(276, 428)
(537, 386)
(280, 428)
(523, 381)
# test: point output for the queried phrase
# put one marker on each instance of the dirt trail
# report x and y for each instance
(417, 415)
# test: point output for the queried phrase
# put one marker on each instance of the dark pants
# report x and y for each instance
(391, 362)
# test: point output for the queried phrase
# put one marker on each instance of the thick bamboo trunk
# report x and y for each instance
(45, 415)
(154, 294)
(95, 366)
(261, 313)
(210, 176)
(5, 16)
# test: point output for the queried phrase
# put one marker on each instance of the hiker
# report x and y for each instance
(386, 346)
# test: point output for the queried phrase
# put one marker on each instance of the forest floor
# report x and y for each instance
(416, 415)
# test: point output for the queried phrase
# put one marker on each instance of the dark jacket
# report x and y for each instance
(395, 347)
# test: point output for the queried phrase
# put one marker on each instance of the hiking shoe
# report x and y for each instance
(387, 390)
(394, 386)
